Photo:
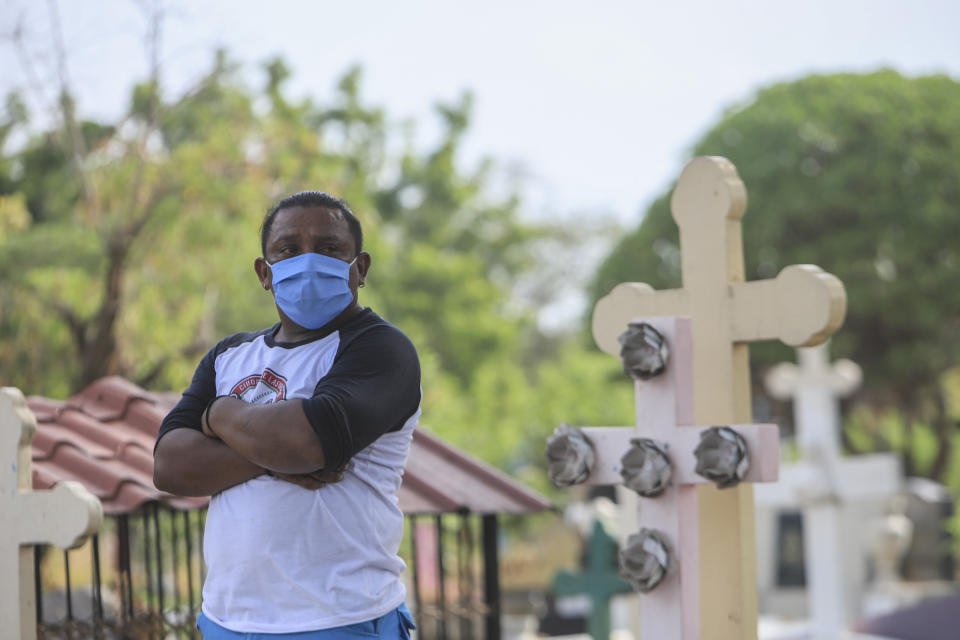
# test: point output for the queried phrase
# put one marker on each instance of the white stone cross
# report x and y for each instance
(814, 387)
(664, 414)
(826, 485)
(63, 516)
(802, 306)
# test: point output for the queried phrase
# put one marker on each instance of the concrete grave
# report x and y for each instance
(837, 496)
(801, 306)
(670, 608)
(64, 516)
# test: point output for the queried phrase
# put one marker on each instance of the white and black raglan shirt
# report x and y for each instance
(283, 559)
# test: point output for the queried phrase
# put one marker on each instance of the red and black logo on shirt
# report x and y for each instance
(261, 388)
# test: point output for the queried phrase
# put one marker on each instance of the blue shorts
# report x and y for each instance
(395, 625)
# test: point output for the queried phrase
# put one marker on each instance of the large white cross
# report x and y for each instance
(826, 485)
(63, 516)
(802, 306)
(672, 610)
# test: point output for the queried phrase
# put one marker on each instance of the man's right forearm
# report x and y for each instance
(188, 463)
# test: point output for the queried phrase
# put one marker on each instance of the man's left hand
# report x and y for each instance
(312, 481)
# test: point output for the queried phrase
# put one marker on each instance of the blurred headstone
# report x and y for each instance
(567, 618)
(930, 507)
(911, 548)
(791, 570)
(831, 492)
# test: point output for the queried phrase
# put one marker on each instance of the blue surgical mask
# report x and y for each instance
(312, 289)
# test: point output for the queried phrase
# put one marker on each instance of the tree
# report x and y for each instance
(858, 174)
(126, 247)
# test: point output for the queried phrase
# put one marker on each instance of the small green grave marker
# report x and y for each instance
(598, 580)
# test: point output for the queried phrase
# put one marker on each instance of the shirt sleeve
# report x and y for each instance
(372, 388)
(202, 389)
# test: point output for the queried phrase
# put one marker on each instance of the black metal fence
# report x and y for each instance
(141, 578)
(462, 600)
(146, 585)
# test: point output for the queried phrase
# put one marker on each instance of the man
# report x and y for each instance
(300, 432)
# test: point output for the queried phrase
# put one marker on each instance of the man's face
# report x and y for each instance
(299, 230)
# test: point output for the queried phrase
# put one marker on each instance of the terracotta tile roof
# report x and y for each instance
(440, 478)
(103, 437)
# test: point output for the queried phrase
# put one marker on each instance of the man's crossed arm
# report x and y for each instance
(239, 442)
(372, 388)
(251, 430)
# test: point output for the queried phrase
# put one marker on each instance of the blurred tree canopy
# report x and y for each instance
(860, 175)
(127, 248)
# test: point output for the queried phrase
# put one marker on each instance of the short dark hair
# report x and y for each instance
(312, 199)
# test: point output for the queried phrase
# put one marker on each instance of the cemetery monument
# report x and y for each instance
(64, 516)
(705, 572)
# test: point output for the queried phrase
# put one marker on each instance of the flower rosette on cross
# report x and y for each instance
(722, 456)
(646, 560)
(570, 456)
(643, 351)
(646, 468)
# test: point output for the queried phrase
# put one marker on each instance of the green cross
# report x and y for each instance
(599, 580)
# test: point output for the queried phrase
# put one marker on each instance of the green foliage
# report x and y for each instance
(14, 216)
(131, 252)
(506, 414)
(858, 174)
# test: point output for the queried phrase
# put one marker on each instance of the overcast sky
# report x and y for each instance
(596, 103)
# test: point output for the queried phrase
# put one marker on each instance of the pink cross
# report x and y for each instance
(664, 413)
